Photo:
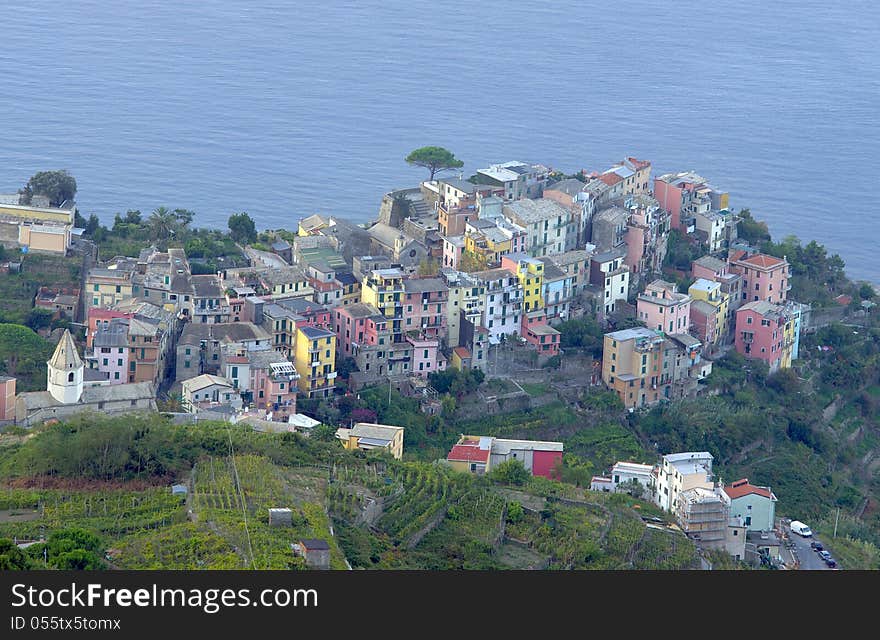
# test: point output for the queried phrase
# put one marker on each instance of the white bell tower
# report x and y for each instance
(65, 380)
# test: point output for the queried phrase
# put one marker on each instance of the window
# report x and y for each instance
(70, 375)
(116, 375)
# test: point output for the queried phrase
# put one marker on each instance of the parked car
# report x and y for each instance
(815, 545)
(827, 558)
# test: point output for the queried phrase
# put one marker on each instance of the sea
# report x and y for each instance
(285, 109)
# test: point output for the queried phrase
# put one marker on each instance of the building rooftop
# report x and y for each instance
(762, 307)
(424, 285)
(206, 286)
(742, 488)
(701, 284)
(204, 381)
(314, 333)
(544, 330)
(632, 334)
(504, 446)
(361, 310)
(65, 356)
(193, 333)
(762, 261)
(570, 186)
(374, 431)
(528, 211)
(468, 452)
(608, 256)
(633, 467)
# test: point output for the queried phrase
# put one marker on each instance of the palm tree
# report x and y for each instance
(162, 223)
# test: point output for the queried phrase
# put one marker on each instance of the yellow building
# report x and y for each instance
(315, 361)
(711, 293)
(311, 225)
(106, 287)
(287, 282)
(367, 436)
(530, 272)
(383, 288)
(632, 365)
(45, 229)
(466, 295)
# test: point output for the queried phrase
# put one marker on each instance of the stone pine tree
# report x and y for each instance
(434, 159)
(58, 186)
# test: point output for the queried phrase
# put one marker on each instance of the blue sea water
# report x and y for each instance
(284, 109)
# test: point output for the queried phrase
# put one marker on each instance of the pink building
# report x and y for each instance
(452, 248)
(538, 333)
(426, 356)
(98, 317)
(705, 321)
(424, 306)
(357, 325)
(273, 385)
(709, 268)
(236, 308)
(662, 308)
(765, 331)
(764, 277)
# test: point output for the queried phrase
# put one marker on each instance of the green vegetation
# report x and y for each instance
(434, 159)
(58, 186)
(206, 249)
(17, 290)
(23, 354)
(242, 228)
(582, 334)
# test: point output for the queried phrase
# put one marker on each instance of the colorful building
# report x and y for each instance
(465, 303)
(315, 361)
(384, 289)
(767, 332)
(764, 277)
(755, 505)
(425, 306)
(662, 308)
(480, 454)
(711, 317)
(426, 355)
(632, 365)
(537, 332)
(368, 436)
(685, 194)
(530, 272)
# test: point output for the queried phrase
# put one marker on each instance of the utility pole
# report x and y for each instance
(389, 392)
(836, 520)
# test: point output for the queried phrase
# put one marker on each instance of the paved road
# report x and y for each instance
(809, 559)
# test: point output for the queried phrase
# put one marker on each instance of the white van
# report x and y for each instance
(801, 529)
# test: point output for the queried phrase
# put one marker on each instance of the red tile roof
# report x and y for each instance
(468, 453)
(639, 164)
(742, 488)
(764, 261)
(463, 352)
(610, 178)
(843, 299)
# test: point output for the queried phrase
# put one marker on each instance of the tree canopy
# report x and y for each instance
(58, 186)
(242, 228)
(434, 159)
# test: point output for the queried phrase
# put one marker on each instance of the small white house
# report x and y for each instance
(206, 391)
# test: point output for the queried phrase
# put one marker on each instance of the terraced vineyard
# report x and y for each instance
(111, 514)
(232, 499)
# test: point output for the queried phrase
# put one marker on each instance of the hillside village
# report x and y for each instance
(454, 275)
